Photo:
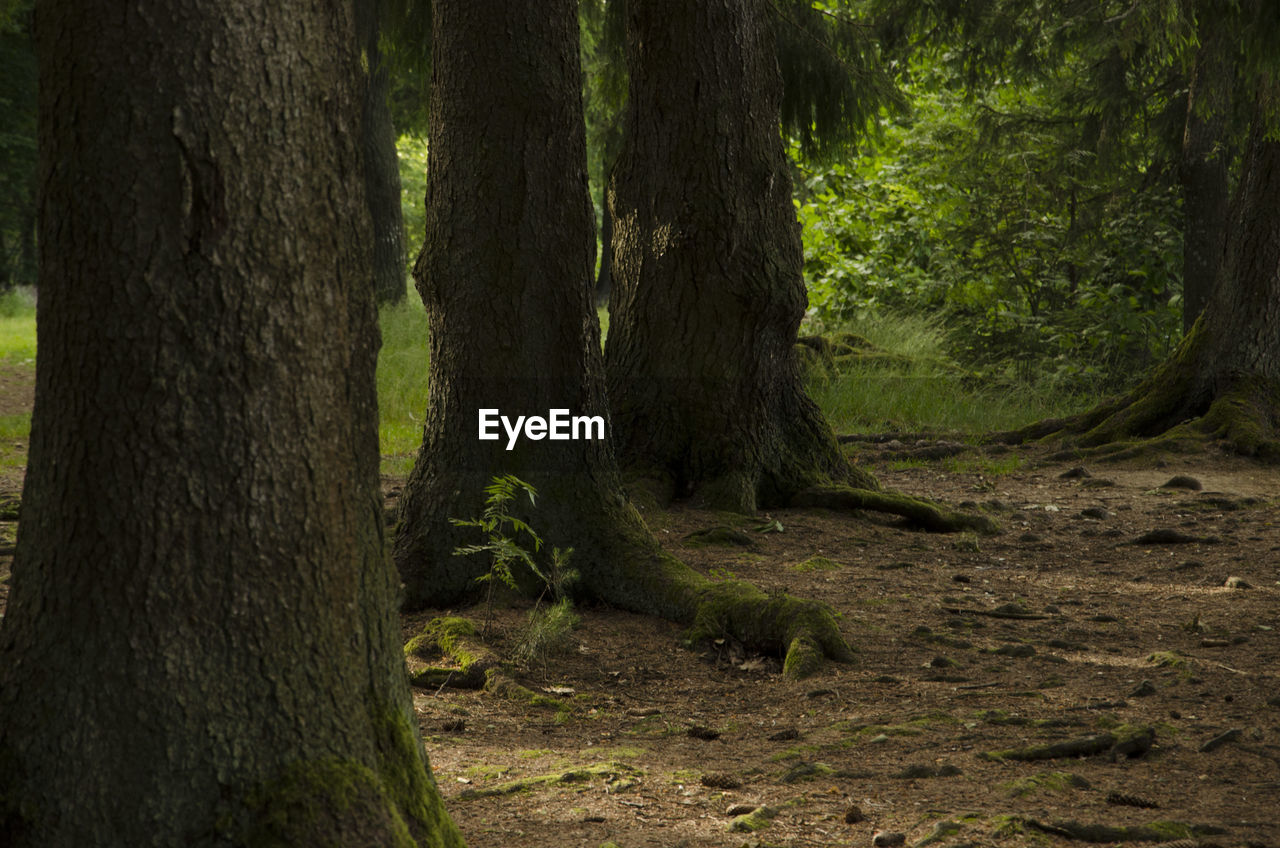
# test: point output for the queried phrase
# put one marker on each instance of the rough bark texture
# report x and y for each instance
(506, 275)
(704, 383)
(381, 165)
(1203, 169)
(1223, 381)
(201, 645)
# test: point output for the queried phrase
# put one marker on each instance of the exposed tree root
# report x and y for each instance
(1156, 831)
(1180, 408)
(478, 667)
(928, 515)
(648, 581)
(1125, 741)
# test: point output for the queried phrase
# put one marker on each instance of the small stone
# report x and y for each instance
(1182, 481)
(853, 815)
(1221, 739)
(1165, 536)
(1145, 688)
(1237, 583)
(888, 839)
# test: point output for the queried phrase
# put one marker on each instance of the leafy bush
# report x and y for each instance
(992, 211)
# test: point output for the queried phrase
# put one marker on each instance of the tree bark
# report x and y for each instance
(381, 162)
(201, 645)
(704, 384)
(1203, 167)
(506, 276)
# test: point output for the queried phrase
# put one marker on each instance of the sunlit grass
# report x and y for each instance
(402, 383)
(919, 389)
(18, 327)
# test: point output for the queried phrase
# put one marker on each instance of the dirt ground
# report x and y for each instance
(1156, 655)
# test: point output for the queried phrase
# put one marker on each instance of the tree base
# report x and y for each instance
(1172, 411)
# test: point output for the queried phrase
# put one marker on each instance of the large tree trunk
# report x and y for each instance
(704, 384)
(506, 276)
(1203, 167)
(381, 163)
(201, 645)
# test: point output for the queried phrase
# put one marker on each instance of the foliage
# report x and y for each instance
(991, 208)
(913, 386)
(403, 363)
(546, 633)
(502, 531)
(412, 153)
(17, 145)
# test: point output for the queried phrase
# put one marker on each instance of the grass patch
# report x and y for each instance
(402, 383)
(18, 327)
(402, 380)
(912, 385)
(14, 430)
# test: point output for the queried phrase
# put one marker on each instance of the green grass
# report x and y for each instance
(919, 389)
(17, 327)
(402, 383)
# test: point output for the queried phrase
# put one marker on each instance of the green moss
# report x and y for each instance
(767, 622)
(756, 820)
(1047, 781)
(331, 802)
(817, 564)
(1169, 659)
(406, 774)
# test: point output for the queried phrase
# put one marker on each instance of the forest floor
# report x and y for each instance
(1067, 627)
(1062, 628)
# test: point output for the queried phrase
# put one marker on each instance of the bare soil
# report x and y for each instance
(1063, 627)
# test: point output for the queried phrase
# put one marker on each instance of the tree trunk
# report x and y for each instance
(506, 276)
(1203, 168)
(704, 384)
(381, 163)
(201, 645)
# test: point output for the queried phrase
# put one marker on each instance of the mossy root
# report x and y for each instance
(928, 515)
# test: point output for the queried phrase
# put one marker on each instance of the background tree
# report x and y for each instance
(505, 275)
(17, 147)
(1224, 379)
(382, 170)
(201, 644)
(705, 387)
